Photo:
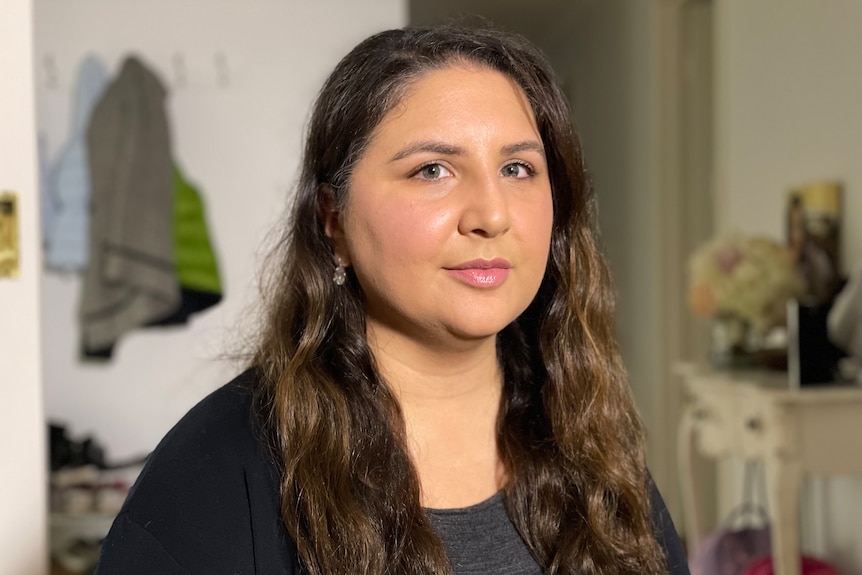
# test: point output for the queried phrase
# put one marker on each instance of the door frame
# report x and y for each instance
(23, 499)
(685, 137)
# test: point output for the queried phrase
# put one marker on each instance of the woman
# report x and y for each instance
(437, 388)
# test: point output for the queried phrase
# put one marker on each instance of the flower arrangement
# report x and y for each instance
(747, 278)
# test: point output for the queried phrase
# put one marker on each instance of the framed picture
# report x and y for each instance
(814, 238)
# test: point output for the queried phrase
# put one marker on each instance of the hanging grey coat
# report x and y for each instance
(131, 279)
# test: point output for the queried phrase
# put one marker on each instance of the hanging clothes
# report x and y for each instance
(66, 210)
(49, 205)
(131, 279)
(195, 260)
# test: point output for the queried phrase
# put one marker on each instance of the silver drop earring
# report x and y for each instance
(340, 275)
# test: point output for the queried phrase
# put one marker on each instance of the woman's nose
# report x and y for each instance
(485, 208)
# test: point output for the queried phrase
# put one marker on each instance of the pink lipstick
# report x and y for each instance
(481, 273)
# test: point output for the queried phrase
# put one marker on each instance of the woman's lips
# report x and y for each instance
(481, 273)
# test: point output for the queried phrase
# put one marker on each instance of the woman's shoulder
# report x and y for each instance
(224, 418)
(666, 532)
(219, 433)
(208, 494)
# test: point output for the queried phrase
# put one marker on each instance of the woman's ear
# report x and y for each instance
(327, 211)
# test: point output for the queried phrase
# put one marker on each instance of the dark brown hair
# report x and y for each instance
(568, 432)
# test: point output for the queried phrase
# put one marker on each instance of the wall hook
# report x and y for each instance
(222, 70)
(49, 68)
(178, 62)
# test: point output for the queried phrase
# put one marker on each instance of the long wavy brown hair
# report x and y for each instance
(568, 432)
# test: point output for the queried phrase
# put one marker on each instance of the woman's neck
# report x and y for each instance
(450, 400)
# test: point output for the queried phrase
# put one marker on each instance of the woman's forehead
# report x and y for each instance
(455, 100)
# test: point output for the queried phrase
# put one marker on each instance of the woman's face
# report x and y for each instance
(449, 211)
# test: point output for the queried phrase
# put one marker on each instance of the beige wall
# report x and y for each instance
(23, 490)
(607, 62)
(789, 112)
(791, 108)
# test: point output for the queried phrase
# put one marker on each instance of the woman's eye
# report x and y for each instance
(517, 170)
(433, 172)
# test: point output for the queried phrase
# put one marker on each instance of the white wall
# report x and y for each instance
(789, 112)
(240, 143)
(23, 492)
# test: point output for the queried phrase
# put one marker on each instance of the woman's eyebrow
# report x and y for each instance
(525, 146)
(445, 149)
(428, 146)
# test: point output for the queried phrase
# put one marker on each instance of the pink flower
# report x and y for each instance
(727, 259)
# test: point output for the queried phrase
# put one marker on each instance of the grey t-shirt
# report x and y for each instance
(481, 539)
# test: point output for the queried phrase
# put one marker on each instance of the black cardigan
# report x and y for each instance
(207, 501)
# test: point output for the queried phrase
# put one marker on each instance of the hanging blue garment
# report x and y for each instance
(67, 238)
(49, 204)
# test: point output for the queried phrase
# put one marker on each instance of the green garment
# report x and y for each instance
(196, 265)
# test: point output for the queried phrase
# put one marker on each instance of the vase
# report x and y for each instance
(733, 343)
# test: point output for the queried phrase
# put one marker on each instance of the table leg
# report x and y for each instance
(685, 454)
(784, 479)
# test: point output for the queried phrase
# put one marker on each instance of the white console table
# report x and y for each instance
(754, 414)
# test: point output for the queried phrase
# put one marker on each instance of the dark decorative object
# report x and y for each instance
(814, 238)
